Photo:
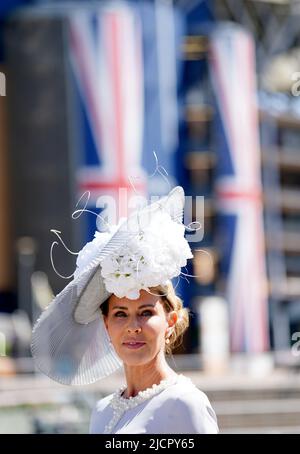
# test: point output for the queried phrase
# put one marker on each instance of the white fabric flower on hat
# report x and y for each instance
(154, 255)
(90, 251)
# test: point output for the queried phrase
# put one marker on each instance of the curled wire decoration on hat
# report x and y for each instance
(184, 278)
(165, 294)
(195, 229)
(57, 233)
(75, 215)
(195, 275)
(130, 177)
(186, 275)
(158, 169)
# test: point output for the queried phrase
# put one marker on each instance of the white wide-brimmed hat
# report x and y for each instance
(70, 343)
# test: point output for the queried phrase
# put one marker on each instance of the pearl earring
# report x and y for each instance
(167, 341)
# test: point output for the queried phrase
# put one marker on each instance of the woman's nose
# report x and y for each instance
(133, 327)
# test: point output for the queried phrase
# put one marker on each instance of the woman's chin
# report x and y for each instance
(135, 358)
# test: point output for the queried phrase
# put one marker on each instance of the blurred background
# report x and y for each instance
(144, 95)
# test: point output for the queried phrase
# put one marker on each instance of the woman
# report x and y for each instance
(155, 399)
(121, 310)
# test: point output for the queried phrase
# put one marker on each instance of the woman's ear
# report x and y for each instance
(172, 318)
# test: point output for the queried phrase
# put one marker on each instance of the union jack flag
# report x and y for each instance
(125, 61)
(239, 188)
(106, 57)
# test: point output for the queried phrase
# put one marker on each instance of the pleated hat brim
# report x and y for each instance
(70, 343)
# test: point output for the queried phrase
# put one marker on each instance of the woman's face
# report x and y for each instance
(138, 328)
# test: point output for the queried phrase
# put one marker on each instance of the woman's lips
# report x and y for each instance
(134, 345)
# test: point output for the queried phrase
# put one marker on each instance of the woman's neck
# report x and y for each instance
(139, 378)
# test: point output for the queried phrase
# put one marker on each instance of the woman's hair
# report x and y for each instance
(171, 302)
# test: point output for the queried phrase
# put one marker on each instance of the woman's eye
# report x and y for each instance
(120, 314)
(146, 313)
(123, 314)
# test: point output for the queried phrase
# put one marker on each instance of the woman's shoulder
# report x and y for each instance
(100, 415)
(184, 389)
(101, 404)
(190, 407)
(191, 399)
